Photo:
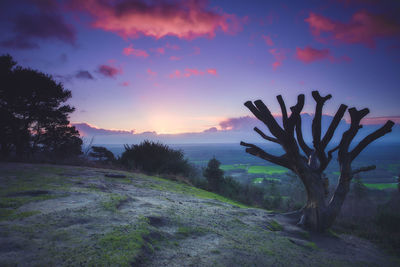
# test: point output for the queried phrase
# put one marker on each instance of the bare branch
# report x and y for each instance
(348, 136)
(306, 149)
(316, 124)
(332, 127)
(258, 152)
(387, 128)
(266, 137)
(363, 169)
(295, 116)
(263, 114)
(331, 151)
(284, 111)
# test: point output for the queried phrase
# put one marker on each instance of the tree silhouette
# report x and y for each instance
(318, 214)
(101, 153)
(33, 114)
(214, 175)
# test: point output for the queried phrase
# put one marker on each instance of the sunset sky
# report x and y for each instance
(188, 66)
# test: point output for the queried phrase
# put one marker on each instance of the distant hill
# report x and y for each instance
(231, 131)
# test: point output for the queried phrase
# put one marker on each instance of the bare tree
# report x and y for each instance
(318, 214)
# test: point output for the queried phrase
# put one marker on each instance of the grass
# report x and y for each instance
(167, 185)
(382, 186)
(123, 245)
(11, 215)
(275, 226)
(260, 180)
(267, 169)
(114, 202)
(185, 231)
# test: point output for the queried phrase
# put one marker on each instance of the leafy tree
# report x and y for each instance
(310, 163)
(101, 153)
(33, 114)
(214, 175)
(153, 157)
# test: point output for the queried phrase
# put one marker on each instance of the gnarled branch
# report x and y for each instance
(363, 169)
(266, 137)
(386, 128)
(258, 152)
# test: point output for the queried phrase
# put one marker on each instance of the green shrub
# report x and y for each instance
(153, 157)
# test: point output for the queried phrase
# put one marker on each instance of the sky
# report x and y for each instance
(175, 67)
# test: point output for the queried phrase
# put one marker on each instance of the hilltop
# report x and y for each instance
(62, 215)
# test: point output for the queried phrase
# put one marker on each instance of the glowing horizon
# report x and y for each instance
(186, 66)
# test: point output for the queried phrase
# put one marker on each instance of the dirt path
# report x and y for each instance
(69, 216)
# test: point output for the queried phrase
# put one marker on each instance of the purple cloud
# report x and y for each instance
(109, 71)
(29, 28)
(84, 75)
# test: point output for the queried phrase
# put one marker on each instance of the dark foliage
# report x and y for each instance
(102, 154)
(33, 116)
(214, 175)
(153, 158)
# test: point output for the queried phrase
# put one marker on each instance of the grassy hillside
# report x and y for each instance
(68, 216)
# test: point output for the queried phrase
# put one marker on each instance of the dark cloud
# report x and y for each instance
(29, 28)
(109, 71)
(84, 75)
(19, 43)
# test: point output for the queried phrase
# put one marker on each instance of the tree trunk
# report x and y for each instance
(318, 215)
(314, 213)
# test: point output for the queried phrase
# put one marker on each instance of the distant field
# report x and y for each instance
(381, 186)
(259, 180)
(229, 167)
(267, 169)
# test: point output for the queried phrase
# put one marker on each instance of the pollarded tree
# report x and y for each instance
(318, 214)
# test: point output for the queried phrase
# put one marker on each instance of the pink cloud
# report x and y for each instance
(160, 50)
(309, 54)
(212, 71)
(268, 40)
(109, 71)
(191, 72)
(381, 120)
(363, 28)
(182, 19)
(151, 73)
(279, 55)
(125, 84)
(134, 52)
(175, 58)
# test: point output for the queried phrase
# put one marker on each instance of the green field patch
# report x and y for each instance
(260, 180)
(267, 169)
(229, 167)
(382, 186)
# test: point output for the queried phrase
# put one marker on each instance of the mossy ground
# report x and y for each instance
(74, 216)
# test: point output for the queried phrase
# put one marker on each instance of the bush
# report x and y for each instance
(102, 154)
(155, 158)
